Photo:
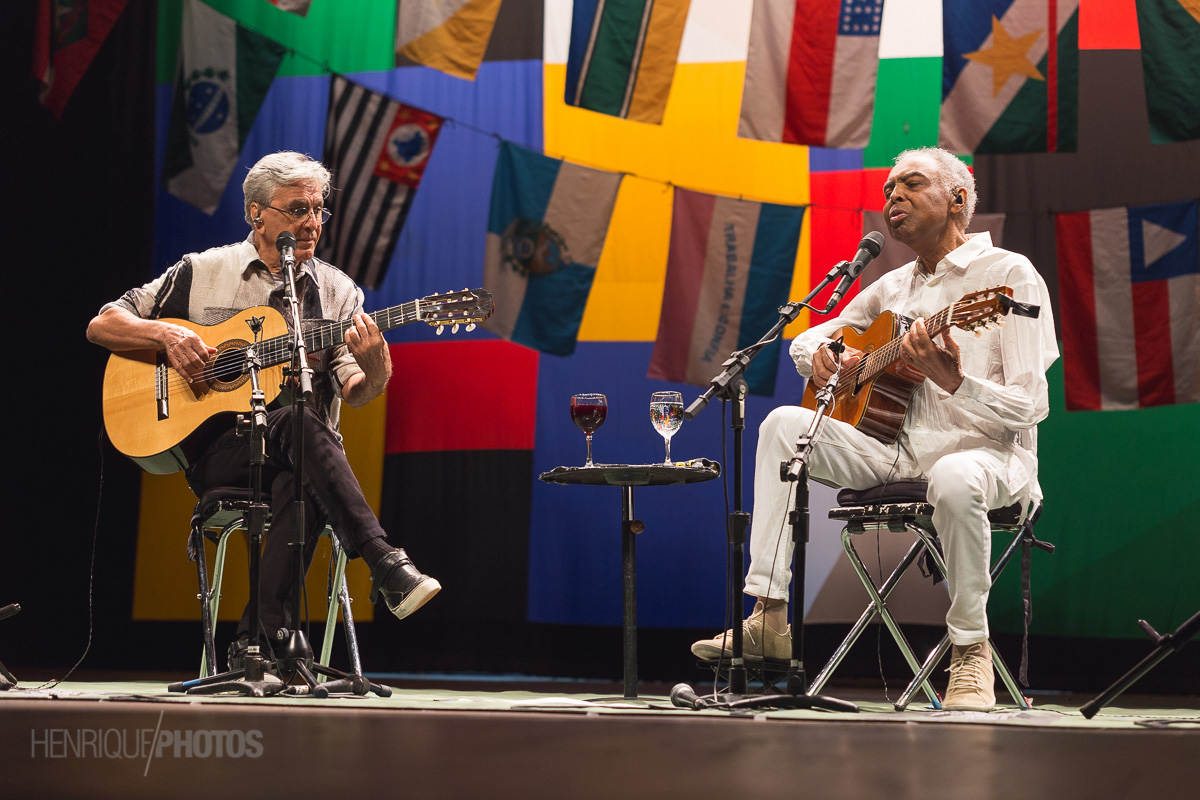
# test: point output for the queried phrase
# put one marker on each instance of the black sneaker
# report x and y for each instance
(404, 589)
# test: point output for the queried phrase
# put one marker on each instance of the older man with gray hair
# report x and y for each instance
(971, 429)
(283, 192)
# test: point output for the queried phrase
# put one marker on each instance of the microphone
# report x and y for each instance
(683, 697)
(870, 246)
(285, 243)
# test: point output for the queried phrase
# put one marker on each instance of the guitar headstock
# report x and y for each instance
(456, 308)
(979, 310)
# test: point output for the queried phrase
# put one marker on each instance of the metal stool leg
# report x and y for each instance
(339, 598)
(213, 601)
(889, 620)
(868, 614)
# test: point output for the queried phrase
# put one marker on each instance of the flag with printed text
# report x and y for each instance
(729, 269)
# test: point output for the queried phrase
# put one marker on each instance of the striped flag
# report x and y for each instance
(377, 150)
(1170, 33)
(1007, 86)
(729, 269)
(447, 35)
(546, 229)
(810, 72)
(69, 33)
(297, 7)
(623, 54)
(1130, 283)
(224, 73)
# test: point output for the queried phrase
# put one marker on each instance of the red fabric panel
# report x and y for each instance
(810, 71)
(691, 219)
(1108, 25)
(838, 200)
(1152, 323)
(461, 395)
(1077, 290)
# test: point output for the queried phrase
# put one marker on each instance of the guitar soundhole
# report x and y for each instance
(228, 366)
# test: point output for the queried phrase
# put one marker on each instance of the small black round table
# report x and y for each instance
(628, 476)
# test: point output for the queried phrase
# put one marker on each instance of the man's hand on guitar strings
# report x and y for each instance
(824, 364)
(940, 364)
(186, 352)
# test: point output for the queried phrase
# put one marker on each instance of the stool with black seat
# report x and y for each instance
(221, 512)
(903, 507)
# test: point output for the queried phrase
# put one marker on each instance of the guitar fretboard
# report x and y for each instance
(874, 363)
(278, 349)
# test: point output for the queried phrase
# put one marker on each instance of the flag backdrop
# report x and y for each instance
(1170, 31)
(377, 150)
(224, 73)
(68, 36)
(546, 229)
(1007, 86)
(810, 72)
(728, 271)
(1131, 330)
(448, 35)
(623, 55)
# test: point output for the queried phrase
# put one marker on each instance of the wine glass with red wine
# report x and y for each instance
(588, 412)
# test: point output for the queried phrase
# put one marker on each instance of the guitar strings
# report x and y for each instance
(272, 351)
(884, 355)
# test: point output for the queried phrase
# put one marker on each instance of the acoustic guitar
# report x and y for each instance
(873, 395)
(151, 411)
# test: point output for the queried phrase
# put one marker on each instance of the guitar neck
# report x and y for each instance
(277, 350)
(889, 354)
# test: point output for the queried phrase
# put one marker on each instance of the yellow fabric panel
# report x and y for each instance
(457, 47)
(164, 582)
(696, 147)
(657, 66)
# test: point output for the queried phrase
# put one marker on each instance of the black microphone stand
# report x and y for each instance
(730, 385)
(7, 679)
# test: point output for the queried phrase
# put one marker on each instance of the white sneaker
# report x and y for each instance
(758, 640)
(972, 679)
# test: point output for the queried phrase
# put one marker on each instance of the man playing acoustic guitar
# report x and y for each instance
(970, 429)
(283, 192)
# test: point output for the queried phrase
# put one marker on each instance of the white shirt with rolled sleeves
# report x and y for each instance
(1004, 392)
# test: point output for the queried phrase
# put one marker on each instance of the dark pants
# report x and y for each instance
(332, 495)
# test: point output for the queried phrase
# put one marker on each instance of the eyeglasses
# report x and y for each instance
(301, 214)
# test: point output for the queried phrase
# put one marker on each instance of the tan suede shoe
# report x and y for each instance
(758, 640)
(972, 679)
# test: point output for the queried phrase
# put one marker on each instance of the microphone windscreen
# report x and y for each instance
(285, 239)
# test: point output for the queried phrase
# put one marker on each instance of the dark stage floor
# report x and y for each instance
(438, 738)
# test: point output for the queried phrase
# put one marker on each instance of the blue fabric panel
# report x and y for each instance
(582, 17)
(575, 535)
(828, 159)
(965, 27)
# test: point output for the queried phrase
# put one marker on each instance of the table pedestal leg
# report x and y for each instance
(629, 592)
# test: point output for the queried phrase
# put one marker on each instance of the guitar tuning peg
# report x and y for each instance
(440, 328)
(978, 332)
(470, 327)
(455, 328)
(1000, 323)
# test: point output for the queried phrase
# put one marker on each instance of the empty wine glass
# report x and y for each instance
(666, 414)
(588, 412)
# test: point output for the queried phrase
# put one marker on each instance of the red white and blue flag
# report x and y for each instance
(1129, 279)
(810, 72)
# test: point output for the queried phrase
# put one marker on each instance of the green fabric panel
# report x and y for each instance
(1022, 126)
(612, 56)
(1123, 509)
(258, 60)
(908, 97)
(346, 35)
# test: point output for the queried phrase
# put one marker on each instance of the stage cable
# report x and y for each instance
(91, 573)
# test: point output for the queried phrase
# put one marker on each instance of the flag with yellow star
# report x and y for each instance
(1010, 76)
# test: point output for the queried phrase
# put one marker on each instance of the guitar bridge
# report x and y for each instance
(162, 373)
